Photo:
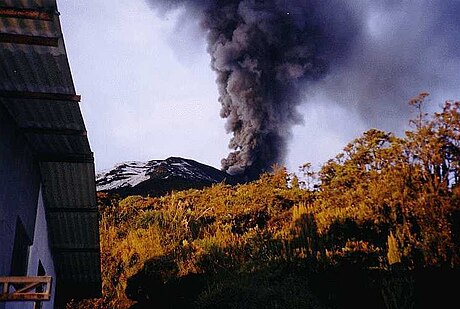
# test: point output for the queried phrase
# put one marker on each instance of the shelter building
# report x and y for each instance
(48, 211)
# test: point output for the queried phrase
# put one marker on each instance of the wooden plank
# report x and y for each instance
(13, 38)
(48, 287)
(26, 13)
(40, 96)
(22, 288)
(22, 279)
(24, 297)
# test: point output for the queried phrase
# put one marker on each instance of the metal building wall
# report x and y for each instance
(19, 189)
(40, 251)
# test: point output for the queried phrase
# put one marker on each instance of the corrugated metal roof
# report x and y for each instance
(33, 62)
(74, 180)
(33, 67)
(65, 237)
(16, 71)
(28, 26)
(51, 115)
(72, 262)
(74, 282)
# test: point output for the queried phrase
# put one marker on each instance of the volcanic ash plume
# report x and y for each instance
(263, 52)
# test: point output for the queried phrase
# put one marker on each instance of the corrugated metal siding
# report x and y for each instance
(68, 185)
(70, 264)
(69, 190)
(28, 26)
(45, 114)
(30, 67)
(48, 73)
(65, 236)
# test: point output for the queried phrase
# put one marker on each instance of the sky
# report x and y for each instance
(148, 90)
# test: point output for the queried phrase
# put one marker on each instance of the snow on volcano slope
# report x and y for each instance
(157, 177)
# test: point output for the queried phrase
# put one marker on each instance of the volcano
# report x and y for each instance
(159, 177)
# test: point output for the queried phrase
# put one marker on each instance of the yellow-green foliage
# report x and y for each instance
(382, 200)
(205, 231)
(406, 185)
(393, 254)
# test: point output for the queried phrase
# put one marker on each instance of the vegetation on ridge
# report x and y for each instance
(275, 242)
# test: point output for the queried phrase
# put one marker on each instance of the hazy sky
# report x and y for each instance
(148, 91)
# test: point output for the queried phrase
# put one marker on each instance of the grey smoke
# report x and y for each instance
(270, 54)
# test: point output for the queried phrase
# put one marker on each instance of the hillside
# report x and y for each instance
(380, 229)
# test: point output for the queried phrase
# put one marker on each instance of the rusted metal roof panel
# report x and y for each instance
(32, 67)
(29, 3)
(28, 26)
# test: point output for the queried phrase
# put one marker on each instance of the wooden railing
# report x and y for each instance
(25, 288)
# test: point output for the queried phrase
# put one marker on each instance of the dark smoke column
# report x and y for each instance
(260, 54)
(264, 52)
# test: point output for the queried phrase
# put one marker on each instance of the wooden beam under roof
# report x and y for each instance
(27, 13)
(40, 95)
(14, 38)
